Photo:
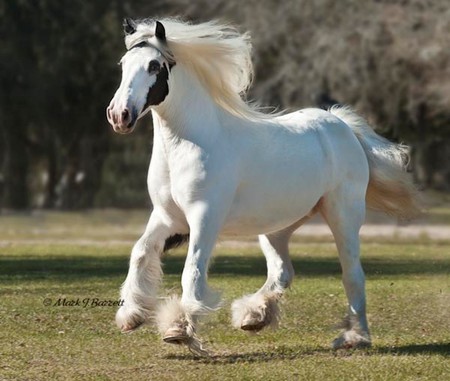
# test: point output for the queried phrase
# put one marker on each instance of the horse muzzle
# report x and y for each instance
(122, 120)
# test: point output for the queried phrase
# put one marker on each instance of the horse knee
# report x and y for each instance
(146, 249)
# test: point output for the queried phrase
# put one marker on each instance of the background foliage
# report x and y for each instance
(389, 59)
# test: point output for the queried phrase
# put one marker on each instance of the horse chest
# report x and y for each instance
(175, 175)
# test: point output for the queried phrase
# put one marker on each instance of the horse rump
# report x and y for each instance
(390, 189)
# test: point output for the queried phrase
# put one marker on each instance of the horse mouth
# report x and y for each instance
(125, 130)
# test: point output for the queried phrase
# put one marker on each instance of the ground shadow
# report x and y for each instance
(61, 268)
(284, 353)
(323, 266)
(414, 349)
(296, 352)
(69, 268)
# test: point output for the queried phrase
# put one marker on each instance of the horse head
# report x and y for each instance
(145, 74)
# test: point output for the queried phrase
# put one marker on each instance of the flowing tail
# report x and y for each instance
(390, 187)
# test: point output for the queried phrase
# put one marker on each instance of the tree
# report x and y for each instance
(58, 64)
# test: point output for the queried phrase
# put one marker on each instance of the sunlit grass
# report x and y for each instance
(408, 291)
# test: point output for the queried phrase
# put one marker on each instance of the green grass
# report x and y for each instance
(408, 290)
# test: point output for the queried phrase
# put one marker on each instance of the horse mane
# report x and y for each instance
(218, 55)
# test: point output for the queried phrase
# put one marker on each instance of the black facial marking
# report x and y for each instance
(153, 67)
(158, 92)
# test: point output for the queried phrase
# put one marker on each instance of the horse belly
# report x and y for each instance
(274, 202)
(255, 222)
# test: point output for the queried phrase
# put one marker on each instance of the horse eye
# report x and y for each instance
(153, 67)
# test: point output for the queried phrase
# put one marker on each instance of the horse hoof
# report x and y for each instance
(351, 340)
(131, 328)
(252, 324)
(128, 322)
(176, 336)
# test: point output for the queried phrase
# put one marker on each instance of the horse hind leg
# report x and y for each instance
(255, 311)
(344, 211)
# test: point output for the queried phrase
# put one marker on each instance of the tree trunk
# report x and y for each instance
(15, 169)
(52, 173)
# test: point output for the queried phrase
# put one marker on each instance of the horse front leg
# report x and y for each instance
(139, 291)
(177, 318)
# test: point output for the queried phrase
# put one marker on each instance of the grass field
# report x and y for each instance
(408, 291)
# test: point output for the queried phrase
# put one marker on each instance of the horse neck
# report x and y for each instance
(188, 112)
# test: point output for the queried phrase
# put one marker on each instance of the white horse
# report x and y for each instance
(221, 167)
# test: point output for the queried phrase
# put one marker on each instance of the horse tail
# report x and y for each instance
(390, 189)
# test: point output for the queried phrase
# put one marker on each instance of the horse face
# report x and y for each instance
(145, 73)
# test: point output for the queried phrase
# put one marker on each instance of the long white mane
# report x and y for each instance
(218, 55)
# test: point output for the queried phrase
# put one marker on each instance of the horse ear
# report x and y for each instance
(129, 26)
(160, 31)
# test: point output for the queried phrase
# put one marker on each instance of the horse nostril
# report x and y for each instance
(125, 115)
